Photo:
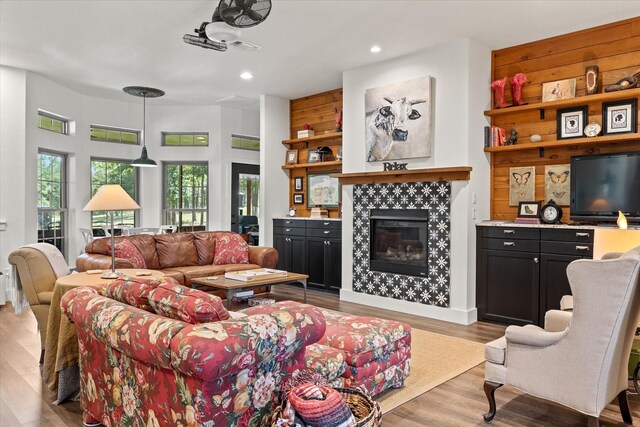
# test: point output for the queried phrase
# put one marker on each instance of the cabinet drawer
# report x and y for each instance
(289, 231)
(570, 235)
(324, 225)
(567, 248)
(329, 234)
(289, 223)
(516, 245)
(511, 233)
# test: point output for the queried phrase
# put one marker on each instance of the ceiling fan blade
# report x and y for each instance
(230, 13)
(253, 14)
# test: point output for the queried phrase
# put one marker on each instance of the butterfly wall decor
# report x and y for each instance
(557, 183)
(522, 184)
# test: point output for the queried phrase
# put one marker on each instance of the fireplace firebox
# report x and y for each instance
(399, 241)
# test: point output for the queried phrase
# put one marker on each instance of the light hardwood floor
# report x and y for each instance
(24, 400)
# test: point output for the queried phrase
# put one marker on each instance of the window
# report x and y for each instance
(185, 195)
(110, 171)
(52, 199)
(198, 139)
(111, 134)
(49, 121)
(249, 192)
(245, 142)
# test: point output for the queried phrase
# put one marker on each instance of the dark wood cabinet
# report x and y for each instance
(312, 247)
(521, 272)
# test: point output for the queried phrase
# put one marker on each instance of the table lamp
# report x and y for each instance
(619, 239)
(110, 198)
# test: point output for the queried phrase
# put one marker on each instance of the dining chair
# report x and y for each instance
(164, 229)
(87, 234)
(140, 230)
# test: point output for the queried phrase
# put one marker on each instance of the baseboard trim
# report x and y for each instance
(463, 317)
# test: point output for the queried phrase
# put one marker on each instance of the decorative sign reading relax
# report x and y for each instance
(395, 166)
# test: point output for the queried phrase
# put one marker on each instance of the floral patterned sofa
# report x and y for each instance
(356, 351)
(154, 353)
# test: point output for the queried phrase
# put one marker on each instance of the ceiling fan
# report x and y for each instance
(227, 20)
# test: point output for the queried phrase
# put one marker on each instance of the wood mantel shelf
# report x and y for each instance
(457, 173)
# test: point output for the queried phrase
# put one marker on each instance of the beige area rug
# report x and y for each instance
(435, 359)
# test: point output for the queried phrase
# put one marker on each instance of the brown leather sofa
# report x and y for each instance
(183, 256)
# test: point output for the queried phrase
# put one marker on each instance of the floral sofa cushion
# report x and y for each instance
(230, 248)
(228, 374)
(126, 250)
(134, 290)
(189, 305)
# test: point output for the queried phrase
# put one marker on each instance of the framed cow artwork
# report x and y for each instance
(398, 120)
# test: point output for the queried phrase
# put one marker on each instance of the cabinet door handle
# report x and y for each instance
(582, 248)
(509, 231)
(327, 232)
(288, 222)
(287, 230)
(582, 234)
(325, 223)
(288, 239)
(509, 243)
(535, 260)
(328, 243)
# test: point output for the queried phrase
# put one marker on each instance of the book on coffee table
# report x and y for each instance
(255, 274)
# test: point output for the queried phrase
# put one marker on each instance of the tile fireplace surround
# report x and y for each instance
(433, 196)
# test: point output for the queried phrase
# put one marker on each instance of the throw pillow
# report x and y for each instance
(189, 305)
(231, 248)
(134, 290)
(125, 249)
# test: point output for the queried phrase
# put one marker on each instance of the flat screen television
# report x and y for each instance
(603, 184)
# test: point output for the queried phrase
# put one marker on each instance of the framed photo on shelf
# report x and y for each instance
(323, 191)
(313, 156)
(297, 183)
(529, 210)
(292, 157)
(619, 117)
(571, 122)
(298, 199)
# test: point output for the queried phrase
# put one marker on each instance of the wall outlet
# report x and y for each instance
(474, 198)
(474, 213)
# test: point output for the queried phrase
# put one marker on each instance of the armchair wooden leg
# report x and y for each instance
(624, 407)
(594, 422)
(490, 389)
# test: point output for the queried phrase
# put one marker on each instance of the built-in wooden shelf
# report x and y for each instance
(566, 143)
(563, 103)
(458, 173)
(314, 138)
(313, 165)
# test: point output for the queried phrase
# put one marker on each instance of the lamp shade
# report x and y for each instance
(111, 197)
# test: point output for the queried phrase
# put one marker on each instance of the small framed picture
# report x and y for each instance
(529, 210)
(571, 122)
(298, 199)
(619, 116)
(313, 156)
(297, 183)
(292, 157)
(560, 89)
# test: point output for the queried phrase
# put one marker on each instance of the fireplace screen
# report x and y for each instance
(399, 241)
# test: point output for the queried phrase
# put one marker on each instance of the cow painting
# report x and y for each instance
(398, 121)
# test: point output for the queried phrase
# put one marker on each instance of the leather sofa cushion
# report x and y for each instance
(205, 242)
(177, 275)
(495, 351)
(176, 250)
(196, 271)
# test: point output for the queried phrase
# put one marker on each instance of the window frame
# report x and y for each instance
(136, 186)
(137, 132)
(64, 198)
(64, 121)
(249, 137)
(165, 186)
(179, 134)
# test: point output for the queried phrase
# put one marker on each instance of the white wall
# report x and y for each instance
(23, 93)
(460, 92)
(274, 182)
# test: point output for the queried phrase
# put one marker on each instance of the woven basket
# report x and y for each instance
(365, 410)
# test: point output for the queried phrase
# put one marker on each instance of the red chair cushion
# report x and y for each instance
(134, 290)
(189, 305)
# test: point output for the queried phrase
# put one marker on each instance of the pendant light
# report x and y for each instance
(145, 92)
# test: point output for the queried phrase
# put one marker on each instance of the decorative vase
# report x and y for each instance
(516, 88)
(498, 92)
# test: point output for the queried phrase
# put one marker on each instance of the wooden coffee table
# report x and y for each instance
(231, 287)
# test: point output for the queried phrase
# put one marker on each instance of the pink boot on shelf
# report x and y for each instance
(516, 88)
(498, 89)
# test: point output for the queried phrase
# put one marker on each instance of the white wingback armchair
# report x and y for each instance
(580, 359)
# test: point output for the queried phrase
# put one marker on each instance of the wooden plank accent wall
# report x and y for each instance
(317, 111)
(614, 47)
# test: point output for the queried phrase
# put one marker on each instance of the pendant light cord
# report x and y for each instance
(144, 119)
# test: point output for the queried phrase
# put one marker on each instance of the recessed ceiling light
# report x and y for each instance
(246, 75)
(375, 49)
